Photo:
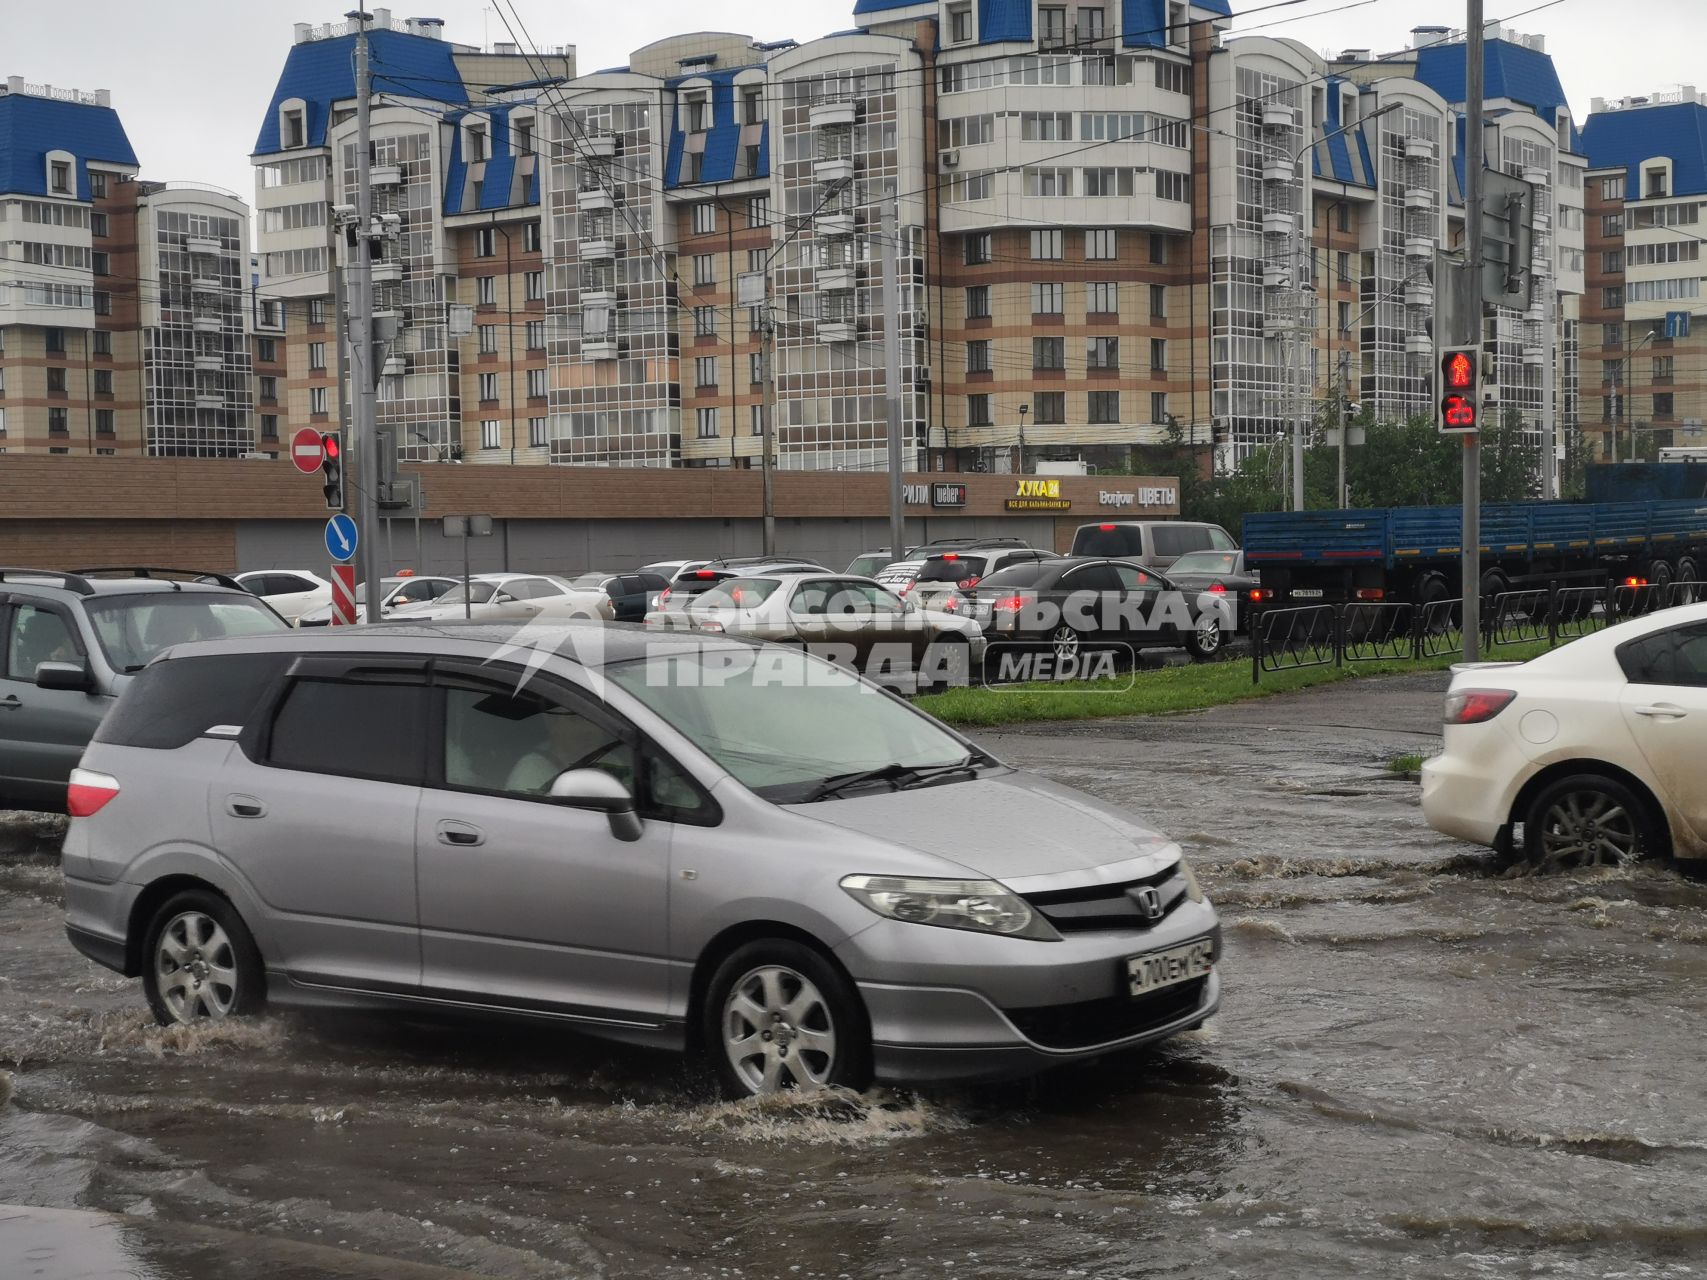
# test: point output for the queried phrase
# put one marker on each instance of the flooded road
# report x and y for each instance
(1421, 1068)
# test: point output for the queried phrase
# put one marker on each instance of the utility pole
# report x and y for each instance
(892, 371)
(1471, 562)
(366, 375)
(1304, 343)
(767, 421)
(1549, 433)
(1340, 404)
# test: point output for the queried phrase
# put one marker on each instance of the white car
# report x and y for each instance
(1595, 750)
(395, 593)
(494, 597)
(291, 592)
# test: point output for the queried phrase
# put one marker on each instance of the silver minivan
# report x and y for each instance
(671, 840)
(1150, 544)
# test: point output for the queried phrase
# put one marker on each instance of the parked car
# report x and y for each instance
(493, 597)
(697, 579)
(1221, 573)
(855, 621)
(1072, 604)
(1150, 544)
(872, 564)
(410, 818)
(395, 593)
(943, 579)
(291, 592)
(1587, 755)
(71, 642)
(617, 597)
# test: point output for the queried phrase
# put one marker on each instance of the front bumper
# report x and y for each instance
(952, 1007)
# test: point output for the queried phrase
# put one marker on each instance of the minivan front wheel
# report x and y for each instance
(779, 1016)
(200, 961)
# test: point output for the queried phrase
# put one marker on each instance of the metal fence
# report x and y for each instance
(1323, 635)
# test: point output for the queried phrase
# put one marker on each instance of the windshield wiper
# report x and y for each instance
(902, 775)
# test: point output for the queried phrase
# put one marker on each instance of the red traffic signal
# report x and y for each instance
(332, 469)
(1460, 390)
(330, 446)
(1460, 371)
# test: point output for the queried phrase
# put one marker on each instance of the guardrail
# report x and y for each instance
(1395, 631)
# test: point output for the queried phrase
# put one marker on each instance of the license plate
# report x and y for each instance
(1306, 593)
(1164, 968)
(981, 609)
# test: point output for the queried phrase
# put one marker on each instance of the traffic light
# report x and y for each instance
(1460, 390)
(332, 469)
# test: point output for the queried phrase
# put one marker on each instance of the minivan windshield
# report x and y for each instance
(785, 723)
(133, 628)
(1111, 540)
(952, 568)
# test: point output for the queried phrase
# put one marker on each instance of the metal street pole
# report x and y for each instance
(767, 422)
(892, 371)
(1549, 433)
(366, 374)
(1471, 562)
(1301, 388)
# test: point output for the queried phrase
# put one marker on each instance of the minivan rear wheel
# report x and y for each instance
(779, 1016)
(201, 962)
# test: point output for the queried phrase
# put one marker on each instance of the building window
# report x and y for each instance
(1158, 302)
(1158, 355)
(705, 322)
(293, 131)
(1612, 372)
(61, 178)
(704, 269)
(1612, 335)
(536, 433)
(1159, 407)
(978, 356)
(756, 419)
(704, 218)
(58, 421)
(1102, 353)
(1102, 298)
(1048, 353)
(485, 242)
(1173, 186)
(959, 23)
(705, 423)
(97, 222)
(56, 381)
(317, 311)
(269, 388)
(536, 384)
(755, 368)
(1654, 184)
(1612, 262)
(705, 371)
(1612, 225)
(978, 411)
(104, 422)
(317, 401)
(976, 249)
(1046, 245)
(1663, 366)
(1342, 268)
(978, 302)
(1101, 246)
(266, 350)
(1344, 318)
(752, 104)
(488, 387)
(759, 211)
(534, 335)
(695, 117)
(269, 426)
(1158, 248)
(755, 319)
(533, 286)
(103, 382)
(102, 302)
(98, 190)
(1612, 188)
(486, 291)
(103, 340)
(1612, 297)
(101, 263)
(1103, 407)
(1662, 403)
(1049, 408)
(491, 433)
(317, 356)
(530, 237)
(1046, 298)
(55, 339)
(488, 336)
(521, 135)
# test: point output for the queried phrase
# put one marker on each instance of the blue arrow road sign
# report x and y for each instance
(341, 537)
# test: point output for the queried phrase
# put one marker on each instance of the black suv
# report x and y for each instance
(69, 643)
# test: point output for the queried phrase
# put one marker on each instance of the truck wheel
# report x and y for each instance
(1688, 572)
(1659, 576)
(1436, 617)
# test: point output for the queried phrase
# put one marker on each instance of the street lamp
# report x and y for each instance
(1023, 410)
(1622, 391)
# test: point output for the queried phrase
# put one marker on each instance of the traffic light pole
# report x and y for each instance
(365, 415)
(1472, 534)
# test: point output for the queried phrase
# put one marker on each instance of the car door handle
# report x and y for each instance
(460, 833)
(244, 807)
(1662, 711)
(11, 702)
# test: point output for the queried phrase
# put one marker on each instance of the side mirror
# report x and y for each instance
(64, 675)
(503, 597)
(597, 790)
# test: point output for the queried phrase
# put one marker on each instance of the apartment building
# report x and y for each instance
(1644, 372)
(122, 325)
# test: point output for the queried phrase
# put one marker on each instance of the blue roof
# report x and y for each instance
(501, 185)
(1626, 138)
(31, 127)
(1510, 71)
(723, 140)
(1000, 20)
(883, 6)
(322, 72)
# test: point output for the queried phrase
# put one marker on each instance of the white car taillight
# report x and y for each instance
(1473, 706)
(89, 792)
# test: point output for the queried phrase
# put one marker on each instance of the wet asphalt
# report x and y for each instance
(1424, 1066)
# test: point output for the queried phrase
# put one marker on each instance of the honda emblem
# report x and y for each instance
(1148, 901)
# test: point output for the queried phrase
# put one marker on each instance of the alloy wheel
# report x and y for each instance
(778, 1032)
(1588, 829)
(1065, 642)
(1208, 635)
(196, 968)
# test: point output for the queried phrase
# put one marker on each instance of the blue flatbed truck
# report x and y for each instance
(1645, 521)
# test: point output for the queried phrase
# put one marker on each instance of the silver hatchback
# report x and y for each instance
(674, 840)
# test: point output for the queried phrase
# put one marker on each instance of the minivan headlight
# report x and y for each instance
(1193, 890)
(983, 906)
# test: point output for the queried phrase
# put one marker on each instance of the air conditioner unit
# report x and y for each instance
(951, 159)
(924, 373)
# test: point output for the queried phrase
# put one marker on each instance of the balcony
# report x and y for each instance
(209, 400)
(207, 284)
(1419, 294)
(387, 272)
(1535, 356)
(837, 331)
(1091, 36)
(598, 348)
(599, 247)
(385, 175)
(203, 244)
(833, 169)
(1419, 344)
(835, 279)
(1419, 198)
(1277, 116)
(206, 363)
(1276, 277)
(594, 200)
(597, 146)
(208, 324)
(831, 115)
(834, 222)
(1277, 171)
(1419, 149)
(1277, 224)
(1419, 247)
(599, 296)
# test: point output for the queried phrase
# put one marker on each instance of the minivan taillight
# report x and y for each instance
(1473, 706)
(89, 792)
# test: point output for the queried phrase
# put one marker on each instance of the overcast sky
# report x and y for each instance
(192, 78)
